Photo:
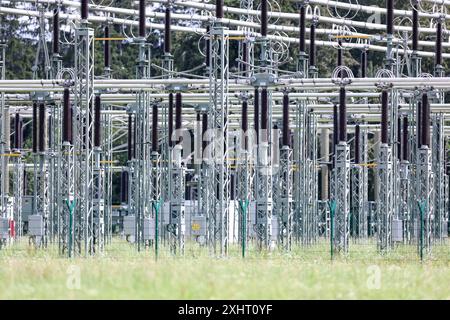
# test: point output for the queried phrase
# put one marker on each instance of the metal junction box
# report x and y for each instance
(36, 225)
(4, 228)
(129, 225)
(149, 229)
(198, 226)
(397, 230)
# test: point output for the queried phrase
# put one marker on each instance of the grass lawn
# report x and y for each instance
(123, 273)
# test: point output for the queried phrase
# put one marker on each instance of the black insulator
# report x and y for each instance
(35, 125)
(84, 9)
(405, 139)
(155, 128)
(399, 138)
(130, 137)
(264, 18)
(244, 123)
(390, 16)
(106, 48)
(425, 132)
(302, 26)
(415, 27)
(97, 123)
(256, 114)
(56, 31)
(208, 46)
(363, 63)
(357, 144)
(339, 57)
(204, 129)
(18, 132)
(124, 187)
(264, 114)
(342, 115)
(219, 9)
(232, 186)
(25, 182)
(142, 18)
(42, 119)
(419, 123)
(67, 117)
(335, 126)
(167, 39)
(178, 107)
(438, 56)
(286, 137)
(384, 116)
(312, 45)
(170, 119)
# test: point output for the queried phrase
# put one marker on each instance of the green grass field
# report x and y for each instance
(122, 273)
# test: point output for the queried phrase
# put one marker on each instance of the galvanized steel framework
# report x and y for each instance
(270, 191)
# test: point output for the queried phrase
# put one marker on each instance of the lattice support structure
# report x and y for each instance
(132, 195)
(307, 195)
(438, 158)
(360, 190)
(176, 227)
(155, 187)
(3, 142)
(107, 138)
(286, 212)
(404, 196)
(54, 180)
(83, 135)
(18, 176)
(299, 174)
(244, 193)
(67, 202)
(43, 199)
(165, 147)
(218, 117)
(341, 232)
(264, 200)
(385, 207)
(107, 143)
(425, 194)
(141, 165)
(98, 203)
(312, 179)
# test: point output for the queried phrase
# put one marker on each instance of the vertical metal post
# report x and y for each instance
(218, 98)
(83, 115)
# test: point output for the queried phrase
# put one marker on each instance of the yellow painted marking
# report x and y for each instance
(10, 155)
(369, 165)
(195, 227)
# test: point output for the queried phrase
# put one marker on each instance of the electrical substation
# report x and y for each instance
(256, 147)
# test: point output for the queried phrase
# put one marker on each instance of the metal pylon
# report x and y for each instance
(218, 116)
